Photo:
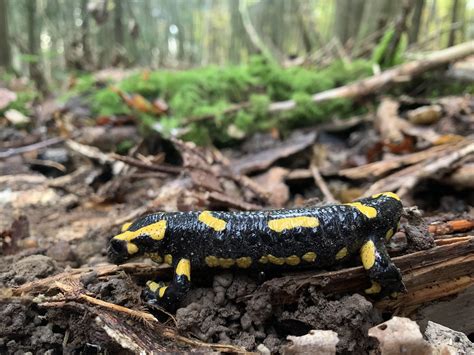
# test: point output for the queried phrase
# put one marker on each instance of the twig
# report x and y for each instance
(32, 147)
(140, 164)
(318, 179)
(455, 226)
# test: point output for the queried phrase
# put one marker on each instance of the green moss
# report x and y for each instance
(22, 103)
(210, 91)
(107, 102)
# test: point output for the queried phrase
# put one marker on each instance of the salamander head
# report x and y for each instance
(390, 210)
(384, 209)
(144, 236)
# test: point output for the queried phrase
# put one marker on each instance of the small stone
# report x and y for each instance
(262, 349)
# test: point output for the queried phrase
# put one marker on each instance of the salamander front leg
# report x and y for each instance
(169, 297)
(385, 276)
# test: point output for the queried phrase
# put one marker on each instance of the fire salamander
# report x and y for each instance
(289, 238)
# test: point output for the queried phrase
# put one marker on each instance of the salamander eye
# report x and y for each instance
(117, 251)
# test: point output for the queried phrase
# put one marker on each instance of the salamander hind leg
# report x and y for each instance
(170, 296)
(385, 276)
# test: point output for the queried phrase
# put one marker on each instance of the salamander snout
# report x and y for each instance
(117, 251)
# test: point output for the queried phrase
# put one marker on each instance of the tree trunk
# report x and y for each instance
(341, 21)
(236, 28)
(118, 26)
(86, 50)
(356, 11)
(416, 21)
(299, 11)
(5, 58)
(454, 19)
(176, 20)
(33, 46)
(252, 33)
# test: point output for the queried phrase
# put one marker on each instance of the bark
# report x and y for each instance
(454, 19)
(416, 21)
(341, 22)
(5, 57)
(299, 10)
(33, 47)
(429, 275)
(239, 40)
(86, 50)
(118, 25)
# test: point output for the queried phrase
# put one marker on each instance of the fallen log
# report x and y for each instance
(367, 86)
(429, 275)
(403, 72)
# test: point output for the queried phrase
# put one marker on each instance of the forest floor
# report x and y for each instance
(63, 196)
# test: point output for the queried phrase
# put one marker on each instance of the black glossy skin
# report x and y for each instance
(247, 234)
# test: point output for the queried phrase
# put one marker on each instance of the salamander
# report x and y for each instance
(315, 237)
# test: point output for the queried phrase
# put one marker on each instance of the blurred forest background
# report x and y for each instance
(48, 38)
(209, 70)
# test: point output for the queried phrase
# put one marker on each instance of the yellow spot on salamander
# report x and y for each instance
(132, 248)
(281, 224)
(309, 257)
(184, 268)
(389, 234)
(125, 226)
(155, 257)
(275, 260)
(209, 220)
(153, 286)
(244, 262)
(226, 263)
(341, 253)
(368, 211)
(263, 260)
(367, 254)
(292, 260)
(375, 288)
(161, 291)
(169, 259)
(155, 231)
(211, 261)
(388, 194)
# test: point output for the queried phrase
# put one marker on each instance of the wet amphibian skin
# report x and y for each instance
(287, 239)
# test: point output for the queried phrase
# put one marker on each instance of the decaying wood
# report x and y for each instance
(451, 312)
(389, 123)
(261, 160)
(121, 323)
(380, 168)
(462, 177)
(429, 274)
(42, 285)
(404, 180)
(455, 226)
